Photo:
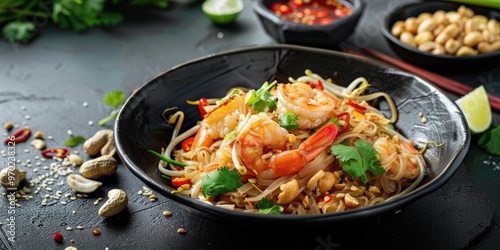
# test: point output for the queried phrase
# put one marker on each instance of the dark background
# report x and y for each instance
(50, 78)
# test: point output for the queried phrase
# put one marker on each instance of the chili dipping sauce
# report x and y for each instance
(310, 12)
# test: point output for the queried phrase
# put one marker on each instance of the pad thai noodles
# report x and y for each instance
(308, 146)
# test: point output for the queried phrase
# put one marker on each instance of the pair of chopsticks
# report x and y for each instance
(441, 81)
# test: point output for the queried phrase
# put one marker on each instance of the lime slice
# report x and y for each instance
(477, 110)
(222, 11)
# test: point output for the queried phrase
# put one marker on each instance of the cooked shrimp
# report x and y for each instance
(398, 157)
(220, 121)
(313, 106)
(262, 145)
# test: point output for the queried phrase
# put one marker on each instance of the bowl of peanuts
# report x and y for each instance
(444, 35)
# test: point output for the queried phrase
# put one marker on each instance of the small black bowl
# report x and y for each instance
(140, 126)
(326, 36)
(429, 60)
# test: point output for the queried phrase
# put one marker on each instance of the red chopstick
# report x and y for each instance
(441, 81)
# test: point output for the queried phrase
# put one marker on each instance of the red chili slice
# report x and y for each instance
(179, 181)
(347, 118)
(55, 152)
(203, 102)
(20, 135)
(326, 198)
(186, 144)
(356, 106)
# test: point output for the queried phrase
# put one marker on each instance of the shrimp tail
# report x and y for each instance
(318, 142)
(292, 161)
(202, 138)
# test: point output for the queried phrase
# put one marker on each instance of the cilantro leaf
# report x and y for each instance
(74, 141)
(82, 14)
(261, 100)
(114, 98)
(357, 160)
(266, 206)
(489, 140)
(220, 181)
(19, 31)
(288, 120)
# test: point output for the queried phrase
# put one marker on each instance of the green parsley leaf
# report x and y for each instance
(114, 98)
(261, 100)
(220, 181)
(18, 31)
(266, 206)
(357, 160)
(288, 120)
(74, 141)
(489, 140)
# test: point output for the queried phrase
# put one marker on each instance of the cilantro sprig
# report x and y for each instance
(489, 140)
(358, 160)
(267, 206)
(288, 120)
(217, 182)
(114, 99)
(261, 100)
(18, 16)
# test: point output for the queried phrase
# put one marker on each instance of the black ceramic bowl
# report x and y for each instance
(328, 35)
(140, 126)
(429, 60)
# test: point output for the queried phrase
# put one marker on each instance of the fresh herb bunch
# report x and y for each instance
(20, 20)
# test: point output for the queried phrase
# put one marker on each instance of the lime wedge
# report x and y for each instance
(477, 110)
(222, 11)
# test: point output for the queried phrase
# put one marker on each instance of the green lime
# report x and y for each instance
(222, 11)
(477, 110)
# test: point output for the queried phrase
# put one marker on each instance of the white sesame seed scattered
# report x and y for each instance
(23, 108)
(50, 137)
(424, 120)
(69, 132)
(91, 123)
(27, 117)
(85, 104)
(420, 114)
(69, 228)
(220, 35)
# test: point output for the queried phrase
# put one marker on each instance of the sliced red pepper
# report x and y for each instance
(20, 135)
(186, 144)
(347, 119)
(327, 198)
(356, 105)
(319, 85)
(203, 102)
(179, 181)
(55, 152)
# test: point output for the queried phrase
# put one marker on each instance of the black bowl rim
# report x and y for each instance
(350, 215)
(386, 31)
(263, 11)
